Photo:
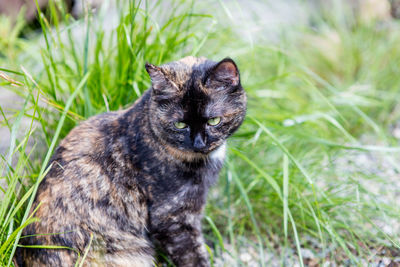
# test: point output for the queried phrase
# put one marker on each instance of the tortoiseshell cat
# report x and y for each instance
(137, 179)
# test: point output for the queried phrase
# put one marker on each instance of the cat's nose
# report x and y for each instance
(198, 142)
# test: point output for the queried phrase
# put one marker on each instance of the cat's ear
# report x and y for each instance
(225, 72)
(158, 79)
(162, 86)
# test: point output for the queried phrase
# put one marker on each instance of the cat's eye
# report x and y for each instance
(180, 125)
(214, 121)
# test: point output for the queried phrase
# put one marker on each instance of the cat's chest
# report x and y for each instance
(170, 177)
(187, 199)
(183, 186)
(180, 187)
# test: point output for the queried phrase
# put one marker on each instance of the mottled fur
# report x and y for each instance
(129, 181)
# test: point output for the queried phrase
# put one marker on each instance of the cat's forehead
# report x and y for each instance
(197, 103)
(188, 63)
(191, 61)
(187, 68)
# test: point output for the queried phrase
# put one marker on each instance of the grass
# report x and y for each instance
(321, 100)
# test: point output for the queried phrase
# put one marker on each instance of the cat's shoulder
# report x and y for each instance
(90, 135)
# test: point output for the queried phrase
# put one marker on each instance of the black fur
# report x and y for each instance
(131, 180)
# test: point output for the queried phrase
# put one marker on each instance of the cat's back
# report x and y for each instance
(95, 138)
(90, 136)
(79, 199)
(76, 169)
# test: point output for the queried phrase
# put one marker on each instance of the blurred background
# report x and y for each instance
(312, 178)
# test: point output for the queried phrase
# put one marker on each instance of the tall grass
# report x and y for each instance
(324, 96)
(318, 101)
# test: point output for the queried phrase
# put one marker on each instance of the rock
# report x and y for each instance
(12, 8)
(370, 10)
(395, 8)
(79, 6)
(396, 132)
(245, 257)
(307, 253)
(386, 261)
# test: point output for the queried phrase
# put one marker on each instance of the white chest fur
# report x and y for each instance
(219, 153)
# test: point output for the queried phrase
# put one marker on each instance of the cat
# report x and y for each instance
(124, 183)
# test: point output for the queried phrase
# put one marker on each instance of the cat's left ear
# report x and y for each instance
(224, 71)
(163, 88)
(158, 79)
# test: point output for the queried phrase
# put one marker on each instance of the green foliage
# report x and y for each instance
(317, 101)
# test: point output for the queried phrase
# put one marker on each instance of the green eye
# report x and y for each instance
(214, 121)
(180, 125)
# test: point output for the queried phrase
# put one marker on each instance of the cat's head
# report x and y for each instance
(195, 104)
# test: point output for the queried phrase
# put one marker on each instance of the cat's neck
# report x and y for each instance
(219, 153)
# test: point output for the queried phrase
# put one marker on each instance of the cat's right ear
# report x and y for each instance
(163, 88)
(223, 73)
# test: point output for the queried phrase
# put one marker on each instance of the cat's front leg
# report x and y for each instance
(181, 238)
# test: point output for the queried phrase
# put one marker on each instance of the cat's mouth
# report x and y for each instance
(217, 153)
(186, 155)
(204, 151)
(213, 151)
(215, 148)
